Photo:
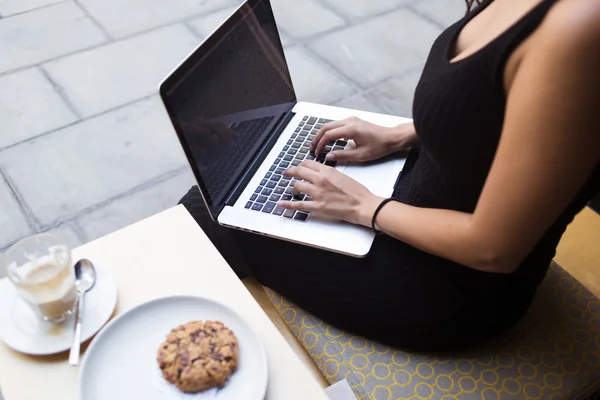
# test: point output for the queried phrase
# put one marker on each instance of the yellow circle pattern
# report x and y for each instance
(553, 353)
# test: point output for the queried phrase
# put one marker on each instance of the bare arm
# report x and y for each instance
(549, 146)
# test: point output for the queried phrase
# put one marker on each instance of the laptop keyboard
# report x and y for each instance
(274, 186)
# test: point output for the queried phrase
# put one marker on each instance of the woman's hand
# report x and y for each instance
(333, 194)
(372, 141)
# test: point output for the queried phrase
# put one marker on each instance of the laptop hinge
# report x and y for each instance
(257, 161)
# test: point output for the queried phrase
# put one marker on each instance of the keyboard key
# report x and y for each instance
(303, 134)
(298, 197)
(300, 139)
(295, 163)
(258, 189)
(341, 143)
(296, 145)
(279, 170)
(277, 161)
(248, 204)
(285, 148)
(292, 152)
(274, 197)
(253, 197)
(310, 137)
(257, 206)
(306, 127)
(300, 156)
(294, 135)
(301, 216)
(278, 190)
(324, 121)
(286, 197)
(269, 207)
(305, 118)
(281, 155)
(263, 182)
(311, 120)
(284, 164)
(283, 183)
(335, 148)
(318, 126)
(268, 175)
(297, 130)
(310, 156)
(289, 191)
(272, 168)
(289, 213)
(271, 185)
(290, 141)
(262, 199)
(330, 163)
(266, 192)
(308, 198)
(286, 158)
(304, 150)
(278, 211)
(275, 178)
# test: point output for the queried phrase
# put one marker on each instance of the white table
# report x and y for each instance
(173, 256)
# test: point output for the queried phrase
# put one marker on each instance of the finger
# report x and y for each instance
(303, 187)
(302, 173)
(298, 205)
(325, 128)
(334, 134)
(315, 166)
(345, 155)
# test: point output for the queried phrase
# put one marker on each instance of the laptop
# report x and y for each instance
(234, 109)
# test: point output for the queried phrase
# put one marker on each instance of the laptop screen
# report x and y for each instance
(227, 97)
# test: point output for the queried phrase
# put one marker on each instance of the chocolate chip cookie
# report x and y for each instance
(198, 355)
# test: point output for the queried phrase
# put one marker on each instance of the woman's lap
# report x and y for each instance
(396, 295)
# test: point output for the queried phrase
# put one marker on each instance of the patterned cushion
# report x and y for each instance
(553, 353)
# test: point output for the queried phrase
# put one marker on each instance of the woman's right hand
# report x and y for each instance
(372, 142)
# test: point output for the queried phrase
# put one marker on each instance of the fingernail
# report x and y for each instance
(330, 157)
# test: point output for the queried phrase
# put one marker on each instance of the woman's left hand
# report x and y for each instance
(333, 194)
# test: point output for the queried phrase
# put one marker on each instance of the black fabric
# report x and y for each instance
(399, 295)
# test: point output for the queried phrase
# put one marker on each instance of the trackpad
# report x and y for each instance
(378, 176)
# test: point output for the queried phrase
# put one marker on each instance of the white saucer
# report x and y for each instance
(24, 332)
(120, 363)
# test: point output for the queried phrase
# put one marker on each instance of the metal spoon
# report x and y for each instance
(85, 277)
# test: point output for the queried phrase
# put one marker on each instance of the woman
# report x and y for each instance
(507, 122)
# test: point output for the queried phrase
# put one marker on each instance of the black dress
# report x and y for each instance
(400, 295)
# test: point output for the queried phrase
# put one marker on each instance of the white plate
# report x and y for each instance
(23, 331)
(121, 361)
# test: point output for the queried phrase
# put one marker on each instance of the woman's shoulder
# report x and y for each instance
(572, 25)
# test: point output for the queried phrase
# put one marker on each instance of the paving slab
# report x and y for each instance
(313, 80)
(135, 207)
(90, 162)
(120, 18)
(11, 7)
(306, 18)
(396, 95)
(46, 33)
(124, 71)
(360, 102)
(380, 48)
(362, 8)
(444, 12)
(13, 224)
(29, 106)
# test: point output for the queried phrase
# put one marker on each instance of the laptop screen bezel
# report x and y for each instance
(179, 73)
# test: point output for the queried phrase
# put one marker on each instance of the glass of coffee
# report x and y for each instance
(40, 268)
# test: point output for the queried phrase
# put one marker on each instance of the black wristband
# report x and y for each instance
(383, 203)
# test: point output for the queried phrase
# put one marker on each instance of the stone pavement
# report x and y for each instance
(85, 145)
